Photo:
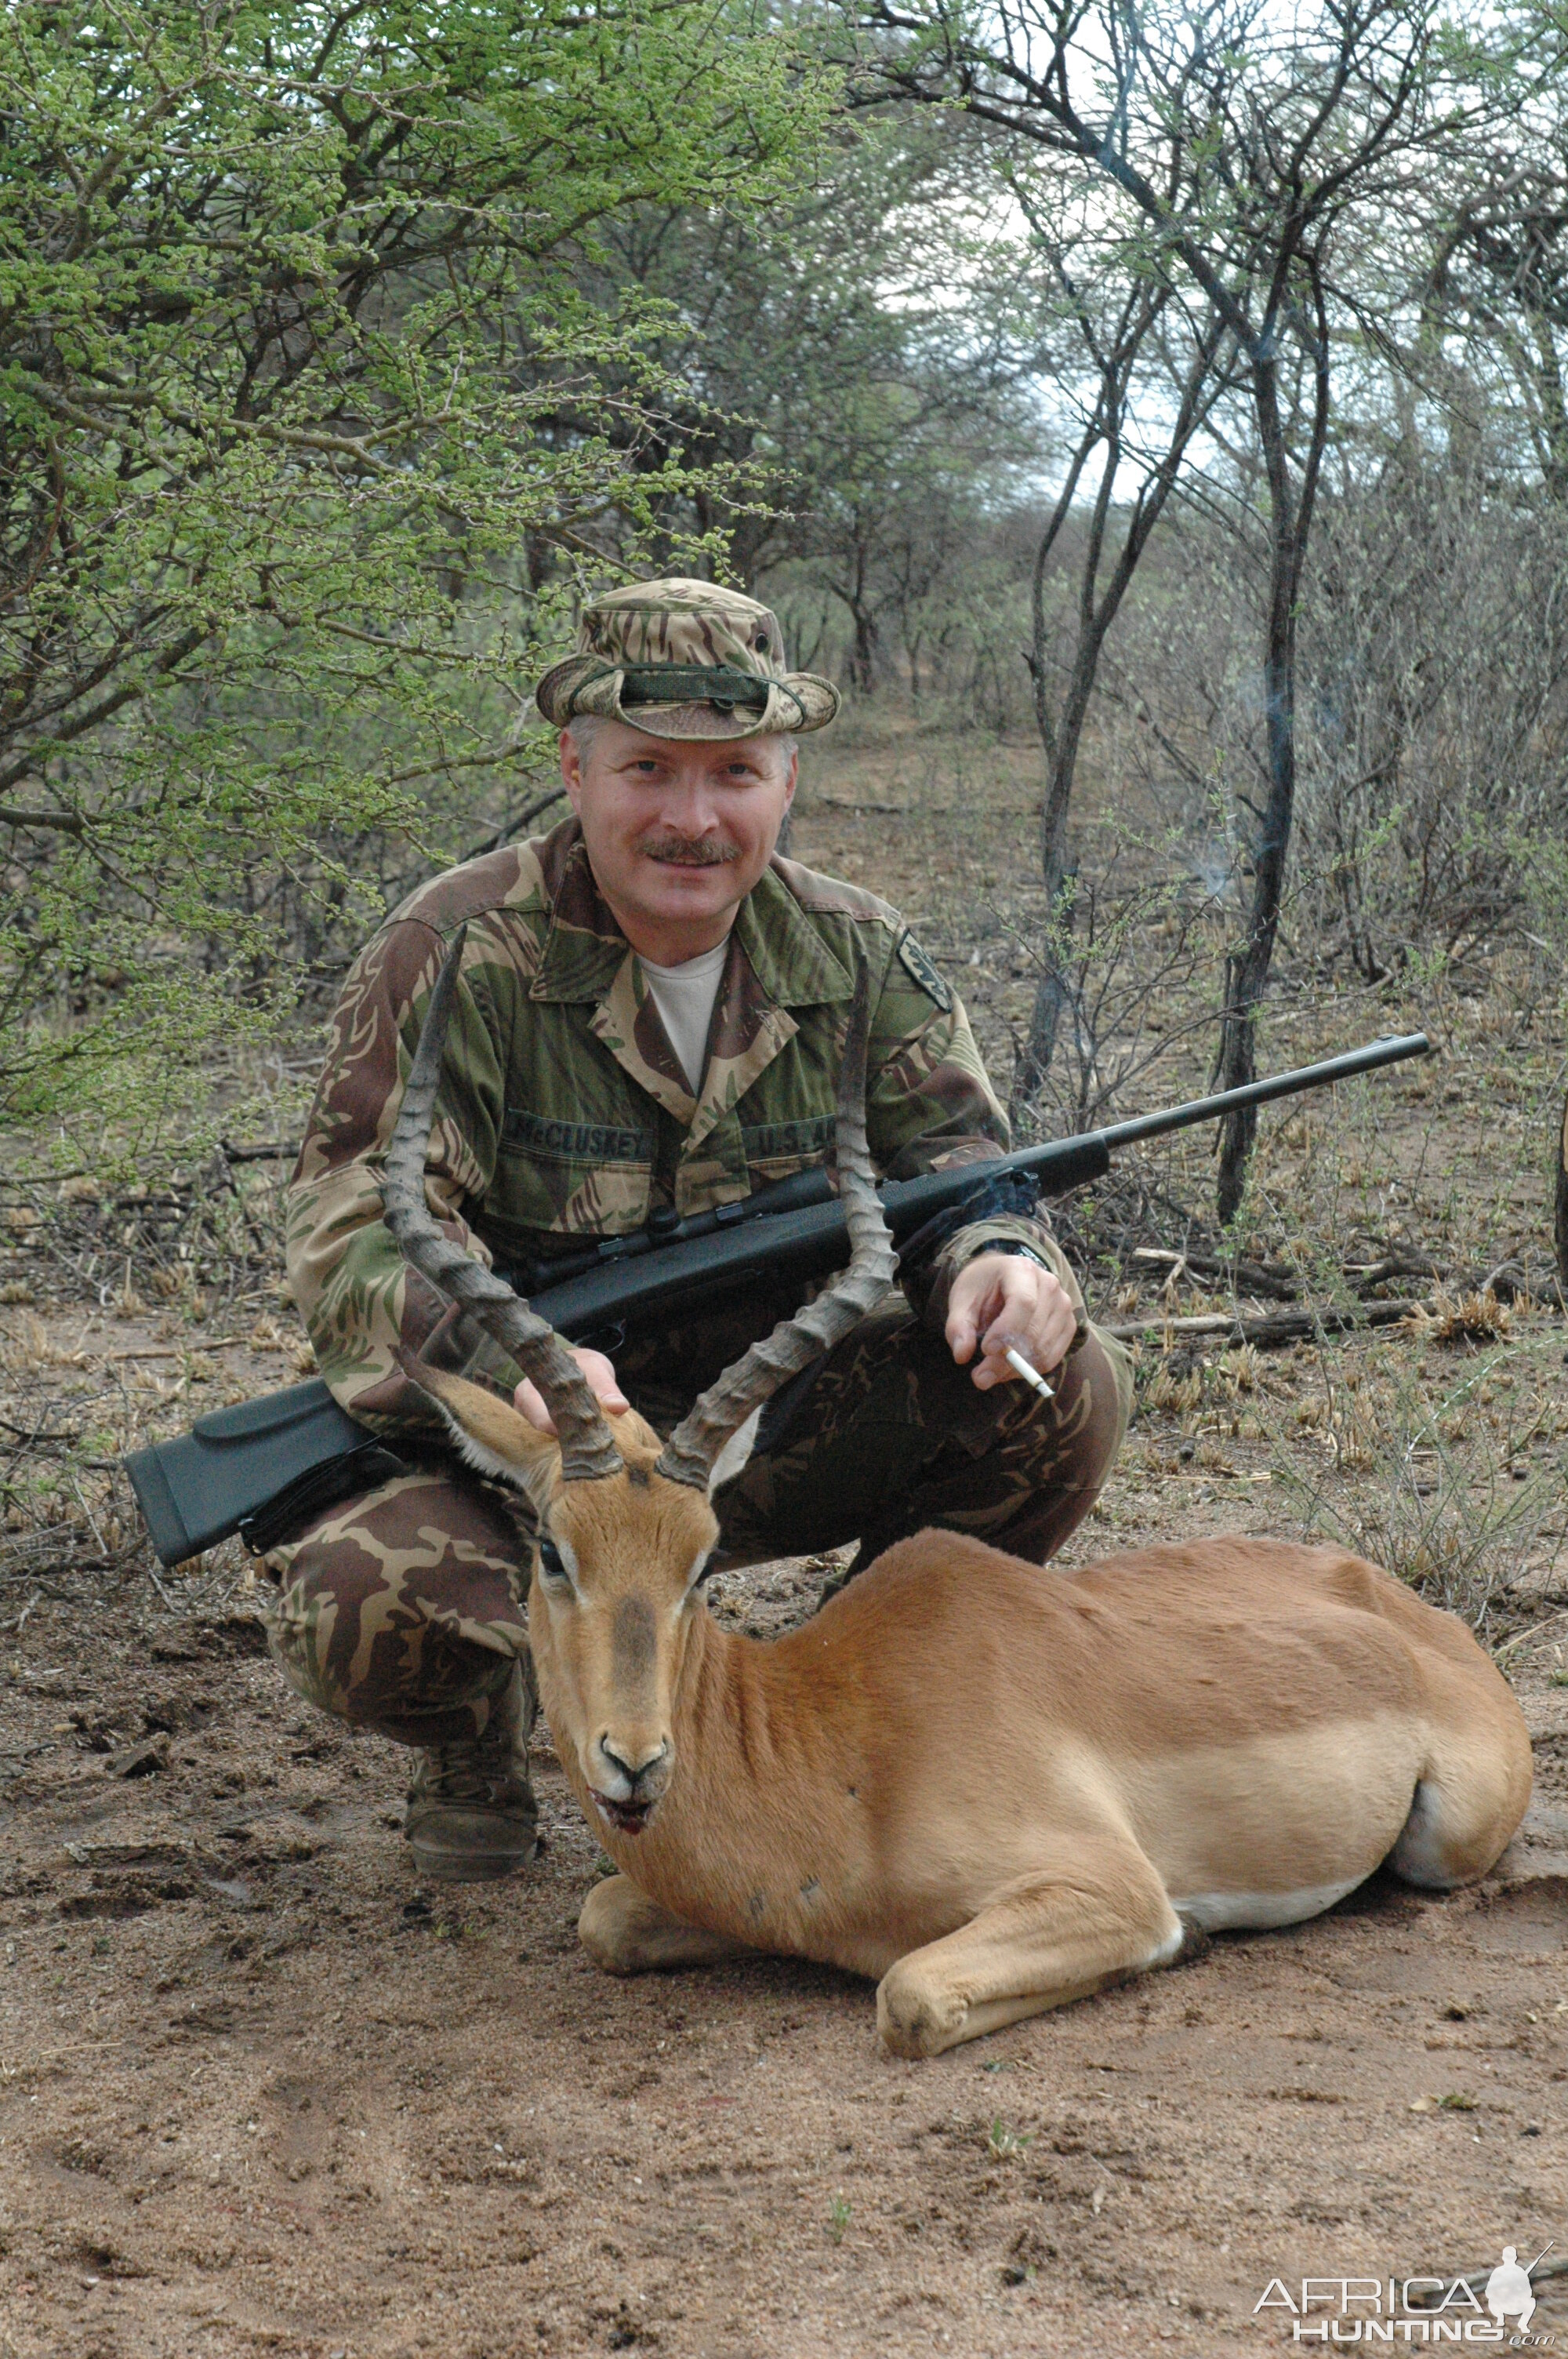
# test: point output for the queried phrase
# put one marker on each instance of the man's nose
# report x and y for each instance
(691, 807)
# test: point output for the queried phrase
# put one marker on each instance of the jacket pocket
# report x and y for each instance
(574, 1178)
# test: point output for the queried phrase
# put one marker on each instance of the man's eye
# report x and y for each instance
(550, 1560)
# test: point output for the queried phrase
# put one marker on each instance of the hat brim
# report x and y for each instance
(796, 705)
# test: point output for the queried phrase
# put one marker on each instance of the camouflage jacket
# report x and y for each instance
(563, 1113)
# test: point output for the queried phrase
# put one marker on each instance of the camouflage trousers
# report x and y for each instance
(403, 1611)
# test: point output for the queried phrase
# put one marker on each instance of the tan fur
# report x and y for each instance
(991, 1787)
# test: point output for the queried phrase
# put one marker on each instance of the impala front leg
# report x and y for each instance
(1060, 1933)
(624, 1932)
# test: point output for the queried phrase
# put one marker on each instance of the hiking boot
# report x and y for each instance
(471, 1814)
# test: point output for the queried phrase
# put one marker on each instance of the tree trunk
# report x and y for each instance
(1560, 1225)
(863, 661)
(1246, 968)
(1053, 992)
(1062, 735)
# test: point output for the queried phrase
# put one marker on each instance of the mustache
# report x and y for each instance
(688, 852)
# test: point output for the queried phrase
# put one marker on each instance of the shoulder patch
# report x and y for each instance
(925, 974)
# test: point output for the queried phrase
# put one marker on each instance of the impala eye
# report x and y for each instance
(551, 1563)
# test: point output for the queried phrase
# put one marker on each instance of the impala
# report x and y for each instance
(988, 1787)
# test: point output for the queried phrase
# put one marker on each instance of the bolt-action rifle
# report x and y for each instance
(266, 1467)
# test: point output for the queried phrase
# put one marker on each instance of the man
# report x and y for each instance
(651, 1017)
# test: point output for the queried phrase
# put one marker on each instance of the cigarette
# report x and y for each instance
(1030, 1375)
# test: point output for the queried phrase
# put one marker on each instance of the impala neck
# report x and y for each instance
(765, 1823)
(764, 1828)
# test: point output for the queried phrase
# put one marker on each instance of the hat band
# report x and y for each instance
(722, 685)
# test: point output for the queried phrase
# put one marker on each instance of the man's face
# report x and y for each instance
(677, 831)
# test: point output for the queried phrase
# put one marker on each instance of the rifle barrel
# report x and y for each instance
(813, 1238)
(1391, 1051)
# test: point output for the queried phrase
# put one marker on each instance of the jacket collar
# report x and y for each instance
(776, 959)
(792, 964)
(749, 1031)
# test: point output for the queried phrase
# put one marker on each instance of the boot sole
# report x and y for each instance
(469, 1867)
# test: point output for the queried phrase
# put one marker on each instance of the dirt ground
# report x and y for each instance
(259, 2090)
(262, 2091)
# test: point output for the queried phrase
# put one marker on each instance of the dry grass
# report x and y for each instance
(1474, 1318)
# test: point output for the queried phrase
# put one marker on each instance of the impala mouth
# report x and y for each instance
(631, 1818)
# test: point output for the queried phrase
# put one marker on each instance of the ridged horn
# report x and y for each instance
(691, 1450)
(588, 1448)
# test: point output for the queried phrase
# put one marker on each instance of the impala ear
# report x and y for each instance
(736, 1454)
(494, 1438)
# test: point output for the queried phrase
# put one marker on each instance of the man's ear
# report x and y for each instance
(493, 1436)
(571, 769)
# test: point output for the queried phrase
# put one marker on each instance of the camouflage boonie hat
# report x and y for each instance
(682, 659)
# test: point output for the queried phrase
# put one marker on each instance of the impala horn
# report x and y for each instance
(588, 1446)
(693, 1449)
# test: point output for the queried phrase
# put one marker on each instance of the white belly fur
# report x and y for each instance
(1228, 1912)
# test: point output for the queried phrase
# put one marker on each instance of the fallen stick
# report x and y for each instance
(232, 1154)
(1249, 1277)
(1274, 1327)
(177, 1351)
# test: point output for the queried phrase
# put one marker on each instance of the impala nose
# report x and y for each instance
(633, 1764)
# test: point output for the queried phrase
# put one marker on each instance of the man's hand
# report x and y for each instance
(1000, 1299)
(602, 1380)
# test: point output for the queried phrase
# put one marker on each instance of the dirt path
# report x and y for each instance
(259, 2091)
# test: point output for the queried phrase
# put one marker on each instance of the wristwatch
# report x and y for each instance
(1016, 1245)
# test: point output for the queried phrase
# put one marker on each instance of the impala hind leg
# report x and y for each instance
(624, 1932)
(1058, 1934)
(1471, 1797)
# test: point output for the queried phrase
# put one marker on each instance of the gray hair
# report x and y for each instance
(583, 728)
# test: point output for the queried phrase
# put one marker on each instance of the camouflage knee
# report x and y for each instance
(889, 1436)
(1049, 1460)
(403, 1612)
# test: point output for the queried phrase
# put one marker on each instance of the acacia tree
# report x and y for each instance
(1241, 141)
(289, 298)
